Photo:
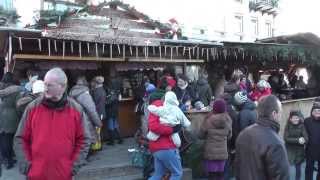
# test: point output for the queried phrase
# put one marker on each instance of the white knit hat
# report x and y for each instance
(240, 97)
(38, 87)
(263, 84)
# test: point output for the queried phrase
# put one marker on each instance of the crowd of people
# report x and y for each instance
(240, 134)
(52, 132)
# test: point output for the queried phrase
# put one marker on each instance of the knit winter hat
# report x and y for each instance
(263, 84)
(99, 79)
(316, 104)
(240, 97)
(296, 113)
(150, 88)
(38, 87)
(219, 106)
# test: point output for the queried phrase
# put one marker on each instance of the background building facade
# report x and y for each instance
(237, 20)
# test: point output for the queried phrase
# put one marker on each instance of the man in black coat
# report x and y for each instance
(260, 152)
(312, 125)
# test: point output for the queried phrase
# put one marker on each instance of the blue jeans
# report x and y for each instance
(167, 161)
(113, 124)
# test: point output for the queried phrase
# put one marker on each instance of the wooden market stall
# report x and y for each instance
(112, 38)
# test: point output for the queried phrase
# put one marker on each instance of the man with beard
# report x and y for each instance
(53, 138)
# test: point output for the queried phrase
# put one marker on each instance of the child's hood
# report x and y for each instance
(171, 98)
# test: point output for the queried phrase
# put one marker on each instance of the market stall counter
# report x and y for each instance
(128, 119)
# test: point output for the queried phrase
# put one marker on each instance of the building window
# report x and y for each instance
(268, 29)
(255, 26)
(240, 1)
(239, 23)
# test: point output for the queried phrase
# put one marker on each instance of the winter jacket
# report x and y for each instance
(256, 95)
(247, 115)
(312, 126)
(164, 142)
(81, 94)
(295, 150)
(112, 108)
(216, 130)
(260, 153)
(99, 98)
(185, 95)
(204, 90)
(23, 102)
(52, 140)
(9, 118)
(231, 88)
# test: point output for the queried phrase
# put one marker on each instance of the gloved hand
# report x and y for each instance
(177, 128)
(302, 141)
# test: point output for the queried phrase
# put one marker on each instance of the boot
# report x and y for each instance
(117, 136)
(111, 137)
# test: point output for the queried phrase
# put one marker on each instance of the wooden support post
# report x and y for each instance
(124, 51)
(97, 53)
(71, 44)
(119, 50)
(165, 51)
(177, 50)
(63, 48)
(55, 46)
(49, 47)
(39, 42)
(20, 43)
(130, 50)
(80, 50)
(110, 51)
(137, 51)
(198, 52)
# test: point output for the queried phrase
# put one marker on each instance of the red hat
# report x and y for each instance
(219, 106)
(171, 82)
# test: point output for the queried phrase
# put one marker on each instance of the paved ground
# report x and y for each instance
(111, 156)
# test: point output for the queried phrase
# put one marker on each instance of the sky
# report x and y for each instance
(295, 15)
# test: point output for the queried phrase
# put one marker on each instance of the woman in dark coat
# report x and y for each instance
(185, 94)
(295, 137)
(9, 119)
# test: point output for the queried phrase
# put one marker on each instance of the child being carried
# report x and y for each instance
(170, 114)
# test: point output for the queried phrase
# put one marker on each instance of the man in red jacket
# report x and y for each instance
(165, 153)
(53, 138)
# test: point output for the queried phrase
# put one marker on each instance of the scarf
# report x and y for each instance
(264, 121)
(55, 104)
(184, 87)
